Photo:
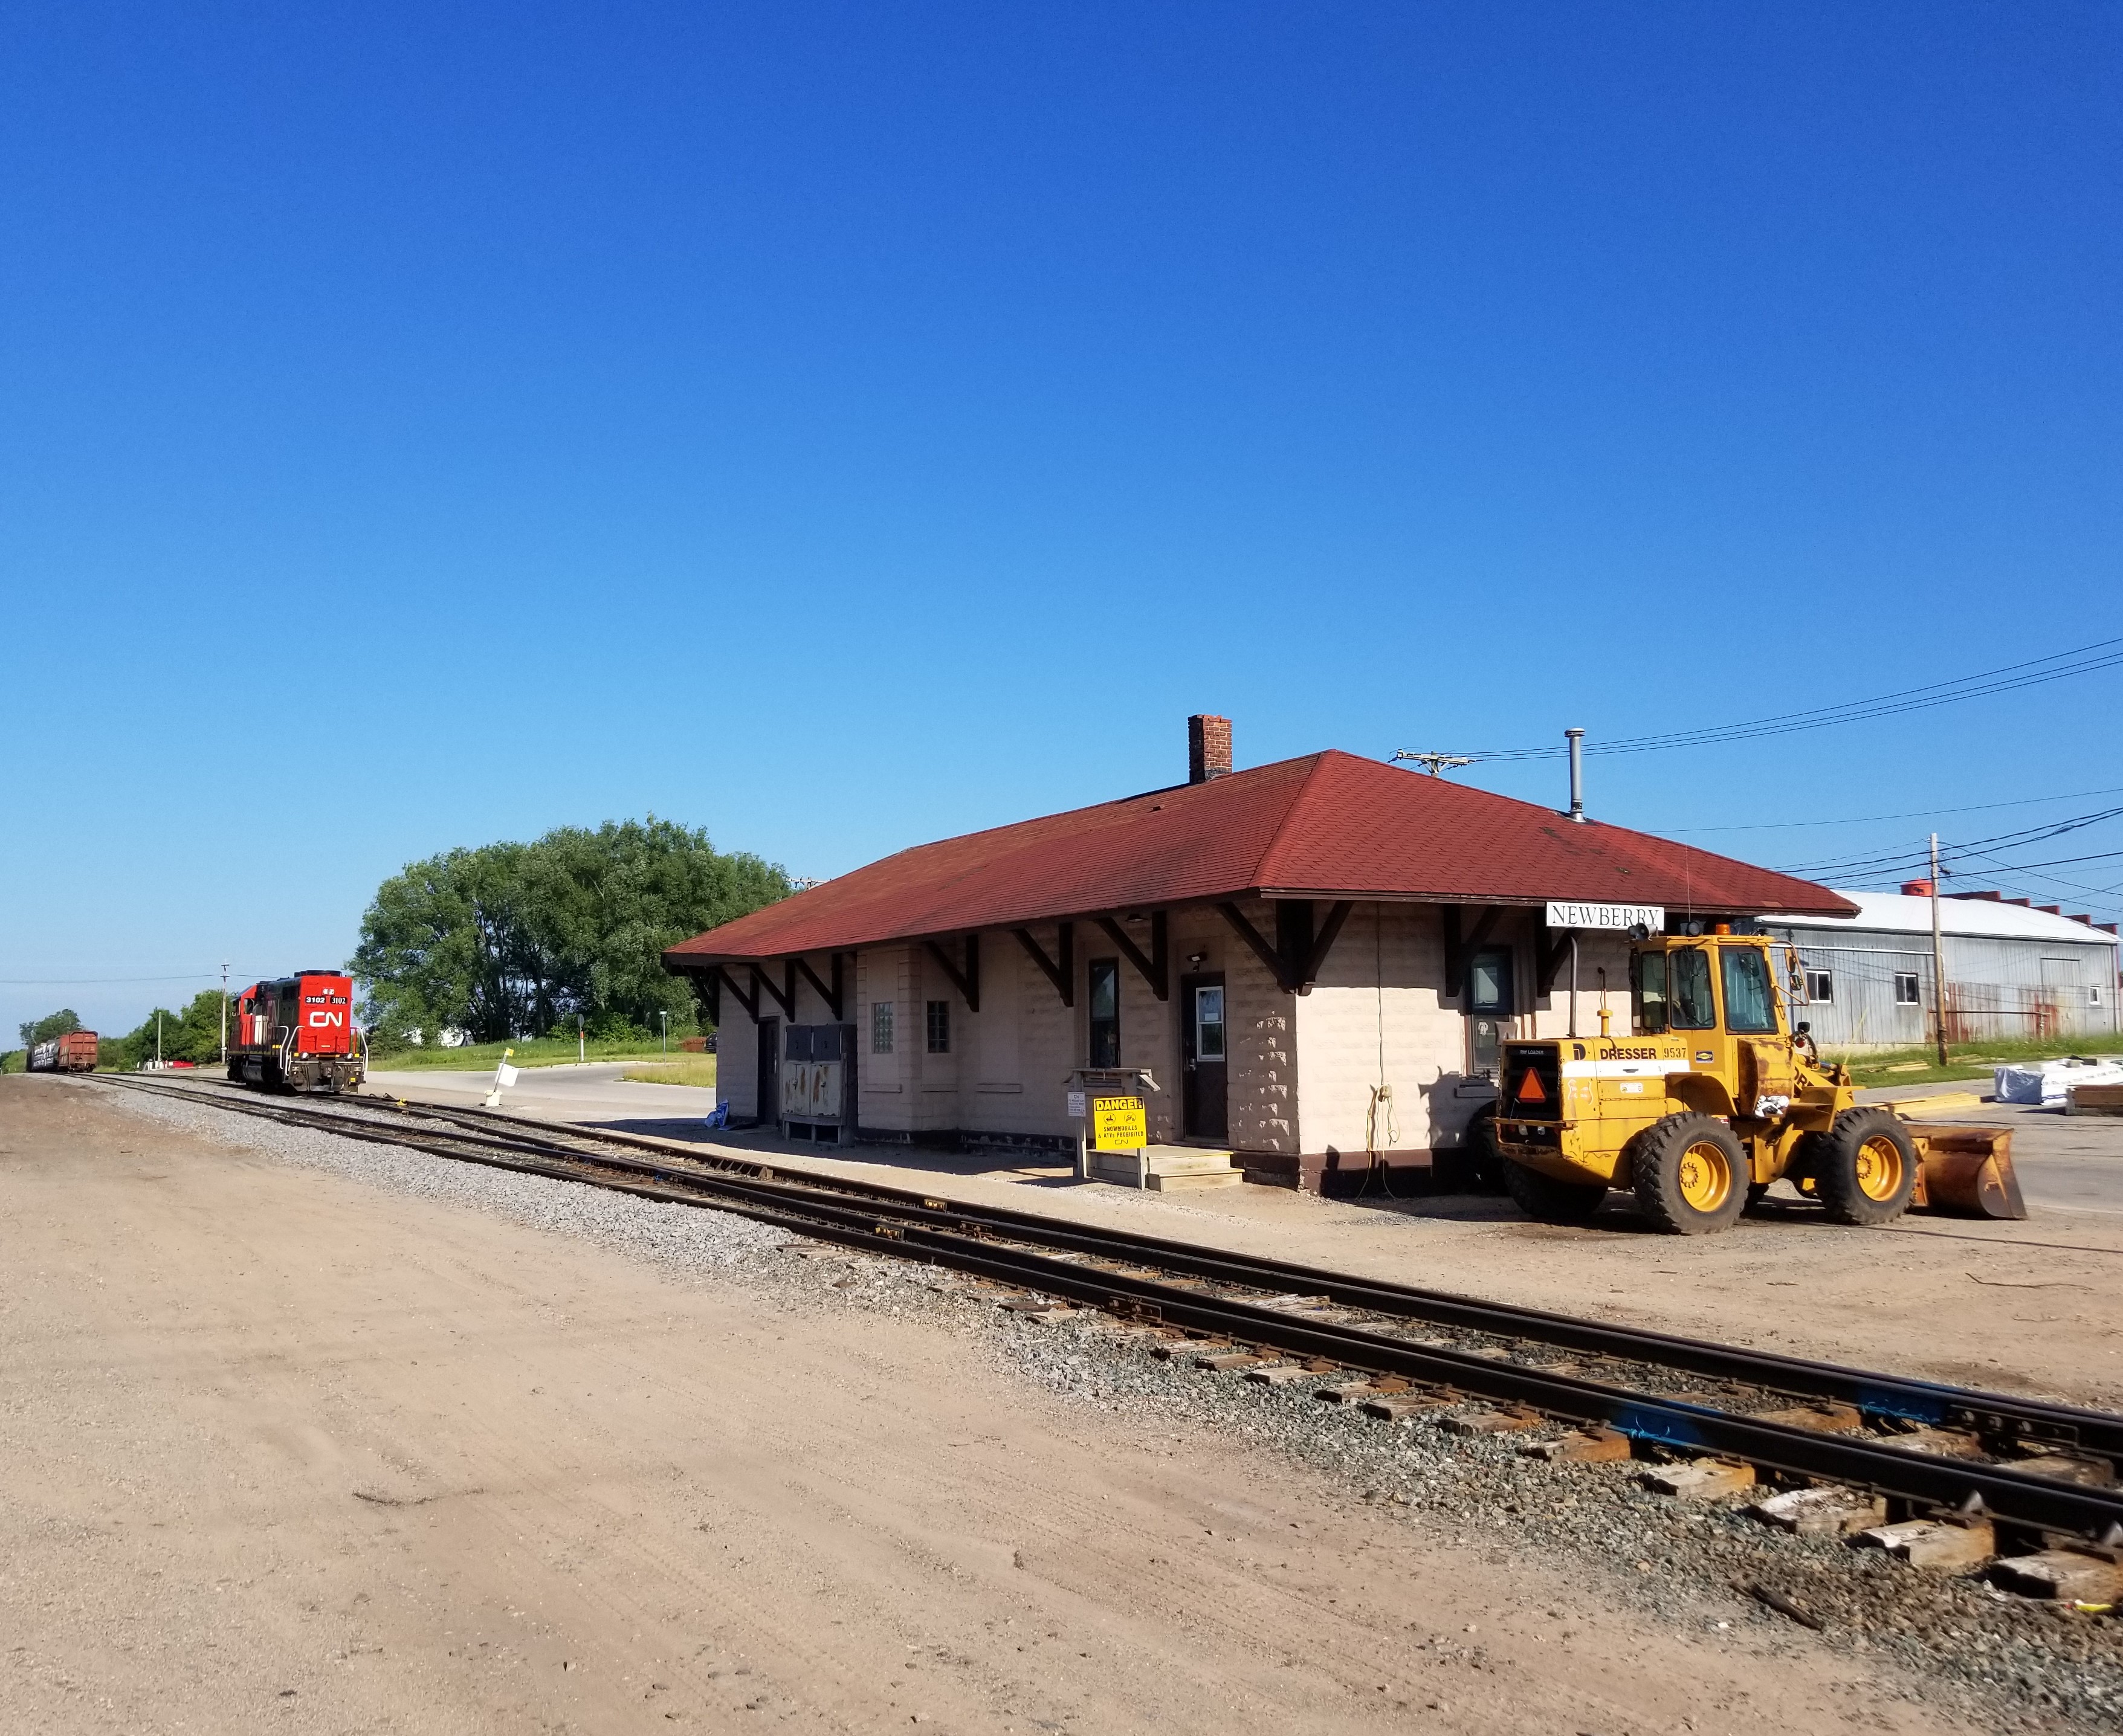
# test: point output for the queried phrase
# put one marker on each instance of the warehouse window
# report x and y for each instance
(939, 1027)
(2093, 994)
(1820, 988)
(880, 1027)
(1906, 991)
(1105, 1011)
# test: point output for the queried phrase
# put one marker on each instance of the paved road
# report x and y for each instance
(595, 1092)
(2066, 1163)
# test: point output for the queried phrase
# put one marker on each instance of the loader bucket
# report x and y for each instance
(1967, 1170)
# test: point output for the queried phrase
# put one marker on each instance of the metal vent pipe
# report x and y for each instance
(1576, 739)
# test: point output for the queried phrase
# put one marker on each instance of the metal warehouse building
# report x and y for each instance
(1309, 965)
(2012, 970)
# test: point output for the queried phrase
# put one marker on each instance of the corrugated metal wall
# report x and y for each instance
(1995, 988)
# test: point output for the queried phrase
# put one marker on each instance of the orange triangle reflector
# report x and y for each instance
(1529, 1091)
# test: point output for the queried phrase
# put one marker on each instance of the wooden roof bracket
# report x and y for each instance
(720, 976)
(1459, 953)
(1061, 971)
(1253, 937)
(784, 992)
(1156, 969)
(707, 981)
(966, 982)
(832, 996)
(1337, 913)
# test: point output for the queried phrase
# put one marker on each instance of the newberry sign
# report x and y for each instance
(1622, 916)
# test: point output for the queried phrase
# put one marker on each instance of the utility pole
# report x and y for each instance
(224, 1012)
(1938, 953)
(158, 1039)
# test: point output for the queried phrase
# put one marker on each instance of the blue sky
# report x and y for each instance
(843, 426)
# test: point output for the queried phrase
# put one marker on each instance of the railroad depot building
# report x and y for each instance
(1310, 965)
(2012, 970)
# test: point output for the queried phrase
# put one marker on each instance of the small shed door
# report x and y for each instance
(1204, 1056)
(770, 1071)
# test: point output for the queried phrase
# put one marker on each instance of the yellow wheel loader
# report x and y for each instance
(1713, 1096)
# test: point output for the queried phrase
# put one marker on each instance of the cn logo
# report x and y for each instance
(321, 1020)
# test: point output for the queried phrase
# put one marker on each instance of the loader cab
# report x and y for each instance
(1716, 984)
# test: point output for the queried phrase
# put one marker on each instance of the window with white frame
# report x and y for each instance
(1820, 988)
(1907, 991)
(880, 1027)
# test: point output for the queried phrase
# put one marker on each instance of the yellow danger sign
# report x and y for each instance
(1117, 1124)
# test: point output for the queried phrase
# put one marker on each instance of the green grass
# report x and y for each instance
(530, 1051)
(691, 1069)
(1965, 1061)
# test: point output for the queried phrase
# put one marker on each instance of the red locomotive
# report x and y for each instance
(298, 1034)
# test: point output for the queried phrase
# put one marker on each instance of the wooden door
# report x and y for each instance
(1204, 1058)
(770, 1072)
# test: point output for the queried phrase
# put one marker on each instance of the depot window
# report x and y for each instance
(880, 1027)
(1489, 982)
(1820, 988)
(939, 1027)
(1693, 1008)
(1105, 1011)
(1907, 992)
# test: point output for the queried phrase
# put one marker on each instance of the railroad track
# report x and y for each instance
(2042, 1474)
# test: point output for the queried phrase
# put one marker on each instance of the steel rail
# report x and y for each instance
(1904, 1397)
(2016, 1497)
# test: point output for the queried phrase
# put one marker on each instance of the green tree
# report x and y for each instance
(51, 1025)
(193, 1035)
(520, 939)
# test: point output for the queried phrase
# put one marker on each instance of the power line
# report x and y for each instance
(1882, 859)
(83, 982)
(1920, 813)
(2034, 672)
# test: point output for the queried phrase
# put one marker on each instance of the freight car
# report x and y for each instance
(74, 1053)
(297, 1034)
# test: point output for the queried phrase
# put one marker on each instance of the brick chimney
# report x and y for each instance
(1916, 889)
(1208, 748)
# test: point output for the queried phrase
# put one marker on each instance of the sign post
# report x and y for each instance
(504, 1076)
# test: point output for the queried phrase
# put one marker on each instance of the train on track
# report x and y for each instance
(297, 1033)
(75, 1052)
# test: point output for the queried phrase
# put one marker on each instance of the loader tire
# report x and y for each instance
(1547, 1200)
(1690, 1175)
(1865, 1167)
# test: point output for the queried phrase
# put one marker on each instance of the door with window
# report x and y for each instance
(770, 1071)
(1204, 1058)
(1489, 1009)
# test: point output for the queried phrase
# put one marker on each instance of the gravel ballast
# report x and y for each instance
(2003, 1661)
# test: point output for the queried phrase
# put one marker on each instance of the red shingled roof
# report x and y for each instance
(1329, 825)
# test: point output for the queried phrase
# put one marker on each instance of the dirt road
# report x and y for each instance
(280, 1451)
